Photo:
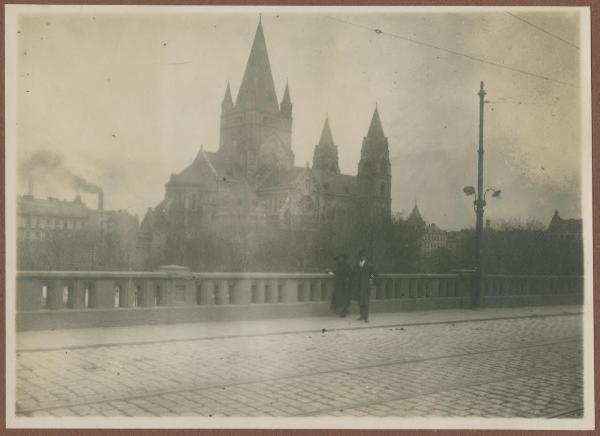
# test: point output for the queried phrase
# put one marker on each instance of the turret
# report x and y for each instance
(227, 104)
(286, 103)
(374, 168)
(325, 156)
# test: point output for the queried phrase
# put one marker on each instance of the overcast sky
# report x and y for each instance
(127, 99)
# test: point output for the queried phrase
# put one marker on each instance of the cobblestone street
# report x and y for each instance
(525, 367)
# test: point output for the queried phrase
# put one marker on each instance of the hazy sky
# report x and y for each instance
(127, 99)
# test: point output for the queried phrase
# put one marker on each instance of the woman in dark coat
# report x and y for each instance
(364, 276)
(340, 300)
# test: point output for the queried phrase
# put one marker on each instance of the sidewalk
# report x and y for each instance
(94, 337)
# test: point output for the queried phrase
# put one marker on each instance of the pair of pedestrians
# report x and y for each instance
(352, 282)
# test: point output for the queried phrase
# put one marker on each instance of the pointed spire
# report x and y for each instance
(257, 90)
(415, 216)
(325, 155)
(286, 94)
(227, 103)
(326, 136)
(375, 129)
(286, 102)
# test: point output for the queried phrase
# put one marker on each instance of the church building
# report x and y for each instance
(250, 188)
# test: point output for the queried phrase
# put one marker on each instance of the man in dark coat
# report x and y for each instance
(364, 276)
(340, 301)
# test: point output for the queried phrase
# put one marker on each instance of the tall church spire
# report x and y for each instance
(325, 156)
(257, 91)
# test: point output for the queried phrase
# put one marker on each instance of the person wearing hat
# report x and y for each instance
(364, 276)
(340, 300)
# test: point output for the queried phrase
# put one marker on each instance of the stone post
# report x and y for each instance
(207, 292)
(222, 292)
(127, 293)
(289, 292)
(104, 293)
(77, 294)
(164, 292)
(29, 294)
(405, 288)
(272, 291)
(327, 286)
(242, 292)
(304, 290)
(316, 293)
(258, 294)
(55, 295)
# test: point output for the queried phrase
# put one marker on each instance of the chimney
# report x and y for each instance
(30, 187)
(100, 200)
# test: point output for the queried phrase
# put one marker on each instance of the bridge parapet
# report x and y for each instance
(69, 299)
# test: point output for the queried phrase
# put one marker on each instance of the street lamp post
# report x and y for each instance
(479, 204)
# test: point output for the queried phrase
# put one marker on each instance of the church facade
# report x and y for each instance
(250, 188)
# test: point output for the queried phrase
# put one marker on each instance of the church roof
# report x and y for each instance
(282, 179)
(326, 181)
(335, 183)
(206, 167)
(415, 216)
(375, 129)
(564, 226)
(257, 90)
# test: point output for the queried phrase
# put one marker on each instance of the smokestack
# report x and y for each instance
(30, 187)
(100, 200)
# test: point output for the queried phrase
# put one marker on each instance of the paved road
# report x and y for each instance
(530, 367)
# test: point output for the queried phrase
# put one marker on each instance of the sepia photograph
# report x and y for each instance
(298, 217)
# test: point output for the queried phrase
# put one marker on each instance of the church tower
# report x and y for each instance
(325, 156)
(256, 134)
(374, 168)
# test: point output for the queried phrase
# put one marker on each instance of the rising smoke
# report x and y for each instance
(44, 164)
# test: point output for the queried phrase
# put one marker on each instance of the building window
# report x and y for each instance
(382, 189)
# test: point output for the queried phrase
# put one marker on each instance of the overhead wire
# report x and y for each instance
(453, 52)
(541, 29)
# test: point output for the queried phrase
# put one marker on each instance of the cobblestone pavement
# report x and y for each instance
(529, 367)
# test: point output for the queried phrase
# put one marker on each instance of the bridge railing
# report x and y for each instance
(64, 290)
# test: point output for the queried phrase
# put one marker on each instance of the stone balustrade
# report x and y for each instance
(63, 299)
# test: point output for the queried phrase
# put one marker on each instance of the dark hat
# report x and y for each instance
(341, 256)
(361, 253)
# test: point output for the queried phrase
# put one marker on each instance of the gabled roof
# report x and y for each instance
(257, 90)
(281, 179)
(326, 181)
(206, 168)
(335, 183)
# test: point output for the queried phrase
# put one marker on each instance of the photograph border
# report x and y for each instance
(589, 193)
